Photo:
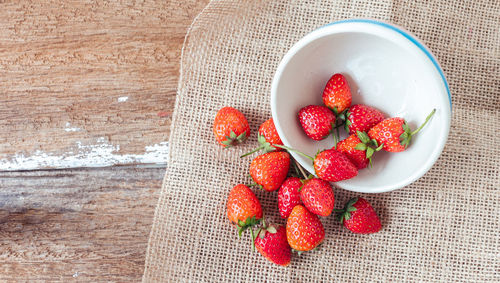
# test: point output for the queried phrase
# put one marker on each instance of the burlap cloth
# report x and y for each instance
(444, 227)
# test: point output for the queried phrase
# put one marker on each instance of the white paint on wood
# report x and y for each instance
(99, 154)
(122, 98)
(71, 129)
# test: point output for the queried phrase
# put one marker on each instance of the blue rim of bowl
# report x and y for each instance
(408, 36)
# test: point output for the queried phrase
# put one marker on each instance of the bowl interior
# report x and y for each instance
(384, 70)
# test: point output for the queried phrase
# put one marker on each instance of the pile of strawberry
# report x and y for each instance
(302, 199)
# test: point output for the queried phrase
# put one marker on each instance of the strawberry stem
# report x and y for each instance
(335, 141)
(338, 137)
(252, 184)
(253, 238)
(296, 169)
(294, 150)
(339, 125)
(426, 120)
(301, 170)
(253, 151)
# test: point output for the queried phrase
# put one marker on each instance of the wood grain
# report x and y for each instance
(79, 79)
(80, 76)
(86, 224)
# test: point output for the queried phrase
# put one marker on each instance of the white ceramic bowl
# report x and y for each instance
(387, 68)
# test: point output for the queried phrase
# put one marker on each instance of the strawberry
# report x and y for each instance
(271, 242)
(317, 196)
(361, 118)
(230, 127)
(359, 149)
(243, 208)
(269, 170)
(333, 166)
(317, 121)
(389, 132)
(330, 165)
(304, 230)
(267, 137)
(337, 94)
(394, 133)
(289, 196)
(358, 216)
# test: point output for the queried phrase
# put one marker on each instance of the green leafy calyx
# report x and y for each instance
(345, 213)
(347, 121)
(233, 139)
(261, 232)
(248, 223)
(264, 145)
(369, 145)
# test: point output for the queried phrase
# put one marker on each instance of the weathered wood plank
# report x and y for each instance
(88, 83)
(88, 224)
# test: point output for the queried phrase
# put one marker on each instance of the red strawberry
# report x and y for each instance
(269, 170)
(271, 242)
(230, 127)
(243, 208)
(394, 133)
(267, 137)
(289, 196)
(337, 94)
(317, 196)
(333, 166)
(359, 149)
(362, 118)
(389, 132)
(317, 121)
(359, 217)
(330, 165)
(304, 230)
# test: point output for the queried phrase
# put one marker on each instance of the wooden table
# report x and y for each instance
(84, 83)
